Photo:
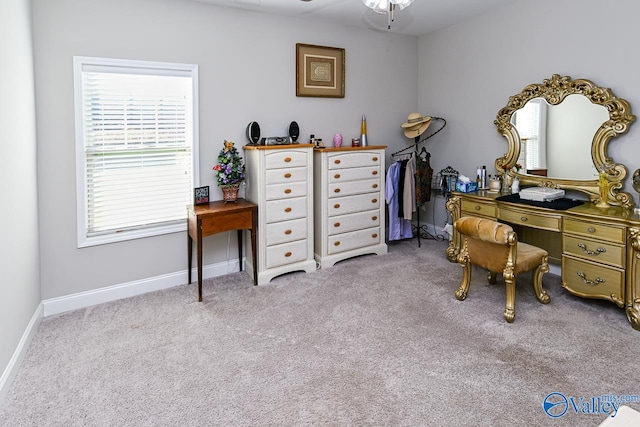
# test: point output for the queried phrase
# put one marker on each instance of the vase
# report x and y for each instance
(505, 184)
(337, 140)
(230, 193)
(515, 185)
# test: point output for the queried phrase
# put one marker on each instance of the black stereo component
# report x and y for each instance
(253, 132)
(294, 131)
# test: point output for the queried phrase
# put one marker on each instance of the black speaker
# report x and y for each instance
(253, 132)
(294, 131)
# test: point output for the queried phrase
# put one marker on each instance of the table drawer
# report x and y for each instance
(286, 191)
(286, 231)
(597, 251)
(357, 221)
(353, 240)
(279, 176)
(278, 159)
(590, 280)
(353, 204)
(286, 209)
(594, 230)
(353, 160)
(340, 189)
(286, 253)
(473, 208)
(354, 174)
(529, 219)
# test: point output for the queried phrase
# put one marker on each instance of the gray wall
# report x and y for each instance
(19, 262)
(247, 72)
(467, 72)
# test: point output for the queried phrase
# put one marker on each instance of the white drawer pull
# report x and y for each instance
(374, 200)
(288, 254)
(336, 176)
(336, 243)
(374, 173)
(287, 175)
(590, 282)
(337, 190)
(287, 209)
(374, 235)
(337, 224)
(374, 186)
(287, 159)
(336, 161)
(373, 218)
(375, 159)
(590, 252)
(287, 191)
(287, 232)
(336, 206)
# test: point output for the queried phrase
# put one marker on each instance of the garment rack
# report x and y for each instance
(422, 231)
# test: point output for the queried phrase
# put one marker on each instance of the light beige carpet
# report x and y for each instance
(376, 340)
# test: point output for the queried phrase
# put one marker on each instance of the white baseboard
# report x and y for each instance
(125, 290)
(21, 350)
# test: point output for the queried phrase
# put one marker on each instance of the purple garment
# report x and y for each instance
(399, 228)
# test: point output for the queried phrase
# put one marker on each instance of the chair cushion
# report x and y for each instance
(529, 257)
(484, 229)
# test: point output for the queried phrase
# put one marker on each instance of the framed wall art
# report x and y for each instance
(201, 195)
(319, 71)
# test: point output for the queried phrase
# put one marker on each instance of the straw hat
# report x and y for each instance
(415, 125)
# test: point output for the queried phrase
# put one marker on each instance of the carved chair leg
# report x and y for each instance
(541, 294)
(492, 277)
(463, 290)
(510, 309)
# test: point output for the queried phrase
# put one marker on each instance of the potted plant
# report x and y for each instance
(230, 172)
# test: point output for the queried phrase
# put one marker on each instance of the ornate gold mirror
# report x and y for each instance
(559, 131)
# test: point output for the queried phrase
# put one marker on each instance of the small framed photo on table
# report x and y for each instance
(201, 195)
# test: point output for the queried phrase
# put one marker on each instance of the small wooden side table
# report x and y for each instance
(216, 217)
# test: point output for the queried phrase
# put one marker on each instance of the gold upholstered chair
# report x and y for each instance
(495, 247)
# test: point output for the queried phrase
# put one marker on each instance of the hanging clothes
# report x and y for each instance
(409, 190)
(399, 228)
(424, 178)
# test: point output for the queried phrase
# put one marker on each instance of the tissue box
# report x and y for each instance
(466, 187)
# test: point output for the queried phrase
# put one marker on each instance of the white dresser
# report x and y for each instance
(349, 205)
(280, 181)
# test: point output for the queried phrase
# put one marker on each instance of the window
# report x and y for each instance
(530, 121)
(136, 147)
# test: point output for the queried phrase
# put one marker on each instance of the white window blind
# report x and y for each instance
(529, 121)
(136, 147)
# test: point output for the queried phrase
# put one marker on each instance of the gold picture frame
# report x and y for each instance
(319, 71)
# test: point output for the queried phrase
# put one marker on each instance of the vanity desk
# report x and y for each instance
(564, 127)
(598, 248)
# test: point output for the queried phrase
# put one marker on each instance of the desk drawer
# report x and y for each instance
(472, 208)
(590, 280)
(285, 254)
(353, 160)
(286, 191)
(352, 204)
(341, 189)
(278, 159)
(529, 219)
(597, 251)
(353, 240)
(286, 231)
(286, 209)
(354, 174)
(279, 176)
(594, 230)
(357, 221)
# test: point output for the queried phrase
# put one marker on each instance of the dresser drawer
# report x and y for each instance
(340, 189)
(285, 191)
(594, 230)
(353, 204)
(358, 221)
(597, 251)
(280, 176)
(285, 209)
(545, 222)
(278, 159)
(354, 240)
(472, 208)
(286, 253)
(590, 280)
(286, 231)
(354, 174)
(353, 160)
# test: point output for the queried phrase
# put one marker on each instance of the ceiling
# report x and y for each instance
(422, 17)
